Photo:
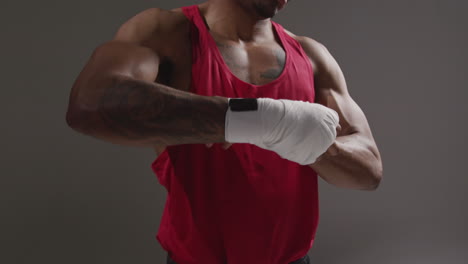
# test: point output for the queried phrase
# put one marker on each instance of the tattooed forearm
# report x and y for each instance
(134, 112)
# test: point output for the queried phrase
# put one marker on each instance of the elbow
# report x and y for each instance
(72, 117)
(85, 121)
(374, 173)
(76, 119)
(82, 117)
(373, 185)
(374, 180)
(83, 106)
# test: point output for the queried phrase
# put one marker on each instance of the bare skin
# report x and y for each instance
(134, 90)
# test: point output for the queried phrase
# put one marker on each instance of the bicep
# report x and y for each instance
(127, 53)
(352, 118)
(118, 57)
(332, 91)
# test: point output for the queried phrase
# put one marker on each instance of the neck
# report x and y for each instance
(229, 20)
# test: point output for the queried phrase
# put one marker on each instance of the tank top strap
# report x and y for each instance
(200, 39)
(193, 13)
(282, 35)
(290, 43)
(205, 38)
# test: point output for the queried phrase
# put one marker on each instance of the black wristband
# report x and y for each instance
(243, 104)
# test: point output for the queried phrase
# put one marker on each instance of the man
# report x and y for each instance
(243, 115)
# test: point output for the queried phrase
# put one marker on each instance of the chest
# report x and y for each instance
(256, 64)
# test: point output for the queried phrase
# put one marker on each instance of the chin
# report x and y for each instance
(265, 11)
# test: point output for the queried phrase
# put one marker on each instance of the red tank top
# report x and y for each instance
(243, 205)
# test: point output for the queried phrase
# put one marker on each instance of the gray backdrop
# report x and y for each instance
(69, 198)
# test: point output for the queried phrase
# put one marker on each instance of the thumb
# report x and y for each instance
(338, 129)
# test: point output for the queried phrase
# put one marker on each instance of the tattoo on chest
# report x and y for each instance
(228, 53)
(275, 71)
(259, 76)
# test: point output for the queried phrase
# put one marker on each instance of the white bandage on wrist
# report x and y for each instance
(296, 130)
(243, 126)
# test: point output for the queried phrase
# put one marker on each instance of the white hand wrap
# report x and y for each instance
(296, 130)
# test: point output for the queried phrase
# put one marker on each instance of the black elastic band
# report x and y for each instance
(243, 104)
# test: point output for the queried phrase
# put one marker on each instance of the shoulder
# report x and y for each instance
(318, 54)
(153, 23)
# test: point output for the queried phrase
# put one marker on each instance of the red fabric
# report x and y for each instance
(243, 205)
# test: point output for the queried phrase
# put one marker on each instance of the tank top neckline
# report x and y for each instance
(219, 58)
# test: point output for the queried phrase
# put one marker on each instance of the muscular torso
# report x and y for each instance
(257, 63)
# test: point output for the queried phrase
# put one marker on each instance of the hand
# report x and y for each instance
(298, 131)
(334, 148)
(331, 150)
